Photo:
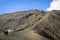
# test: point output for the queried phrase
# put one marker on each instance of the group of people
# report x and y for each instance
(7, 31)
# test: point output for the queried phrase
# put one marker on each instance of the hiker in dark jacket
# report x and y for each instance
(6, 32)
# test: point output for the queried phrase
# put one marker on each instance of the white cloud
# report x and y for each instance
(54, 5)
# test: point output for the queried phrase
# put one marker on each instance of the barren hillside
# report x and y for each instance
(34, 25)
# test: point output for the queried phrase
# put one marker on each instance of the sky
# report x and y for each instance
(54, 5)
(8, 6)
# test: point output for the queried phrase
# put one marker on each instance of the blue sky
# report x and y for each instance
(7, 6)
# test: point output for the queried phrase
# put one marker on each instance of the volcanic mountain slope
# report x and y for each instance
(34, 25)
(19, 18)
(49, 27)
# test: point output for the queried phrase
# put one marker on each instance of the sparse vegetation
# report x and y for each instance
(47, 25)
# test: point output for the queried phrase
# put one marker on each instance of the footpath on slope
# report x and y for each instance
(32, 23)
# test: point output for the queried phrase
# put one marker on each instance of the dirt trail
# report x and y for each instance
(39, 22)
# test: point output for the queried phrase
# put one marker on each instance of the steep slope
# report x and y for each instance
(34, 25)
(19, 20)
(50, 26)
(16, 19)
